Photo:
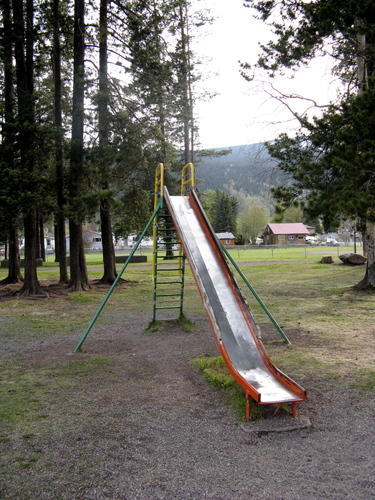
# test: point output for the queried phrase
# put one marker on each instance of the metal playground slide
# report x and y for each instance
(229, 315)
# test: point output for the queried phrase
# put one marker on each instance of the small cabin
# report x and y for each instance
(227, 239)
(285, 233)
(92, 239)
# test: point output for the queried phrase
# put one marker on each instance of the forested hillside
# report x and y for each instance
(248, 169)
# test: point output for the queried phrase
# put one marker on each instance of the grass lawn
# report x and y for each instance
(259, 253)
(245, 254)
(311, 298)
(329, 324)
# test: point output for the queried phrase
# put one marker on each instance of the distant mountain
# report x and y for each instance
(249, 169)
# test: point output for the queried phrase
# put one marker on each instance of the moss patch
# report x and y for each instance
(365, 380)
(185, 324)
(216, 373)
(182, 323)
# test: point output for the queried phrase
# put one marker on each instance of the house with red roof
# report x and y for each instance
(285, 233)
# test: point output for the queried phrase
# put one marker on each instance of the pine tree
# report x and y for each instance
(182, 60)
(104, 158)
(152, 74)
(223, 212)
(78, 271)
(8, 170)
(60, 243)
(24, 55)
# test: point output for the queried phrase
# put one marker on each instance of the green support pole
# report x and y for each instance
(118, 277)
(260, 301)
(182, 285)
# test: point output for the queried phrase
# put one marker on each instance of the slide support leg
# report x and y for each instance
(294, 409)
(248, 408)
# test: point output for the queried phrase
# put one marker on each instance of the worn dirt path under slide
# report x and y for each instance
(146, 426)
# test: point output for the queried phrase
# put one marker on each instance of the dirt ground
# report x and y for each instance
(144, 425)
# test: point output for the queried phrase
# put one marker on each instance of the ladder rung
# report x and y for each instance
(170, 269)
(168, 307)
(168, 295)
(169, 258)
(168, 282)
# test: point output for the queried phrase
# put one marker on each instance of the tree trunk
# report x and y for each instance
(168, 249)
(186, 85)
(364, 243)
(78, 273)
(31, 284)
(368, 282)
(60, 237)
(14, 272)
(12, 251)
(25, 87)
(41, 239)
(191, 109)
(109, 263)
(56, 241)
(37, 238)
(110, 273)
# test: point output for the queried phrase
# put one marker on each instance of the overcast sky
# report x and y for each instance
(241, 112)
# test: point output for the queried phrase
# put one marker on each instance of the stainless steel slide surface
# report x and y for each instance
(228, 312)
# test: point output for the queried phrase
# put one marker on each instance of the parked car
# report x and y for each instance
(312, 240)
(2, 251)
(332, 243)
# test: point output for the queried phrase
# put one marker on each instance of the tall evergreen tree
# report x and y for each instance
(152, 73)
(78, 272)
(60, 243)
(104, 158)
(8, 189)
(184, 79)
(222, 210)
(24, 55)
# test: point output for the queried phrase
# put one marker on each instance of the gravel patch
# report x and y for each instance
(149, 427)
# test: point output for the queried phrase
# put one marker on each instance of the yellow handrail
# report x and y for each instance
(187, 180)
(190, 180)
(159, 183)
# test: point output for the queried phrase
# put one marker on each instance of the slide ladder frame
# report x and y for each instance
(161, 213)
(162, 224)
(187, 184)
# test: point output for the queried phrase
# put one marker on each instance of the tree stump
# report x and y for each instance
(326, 260)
